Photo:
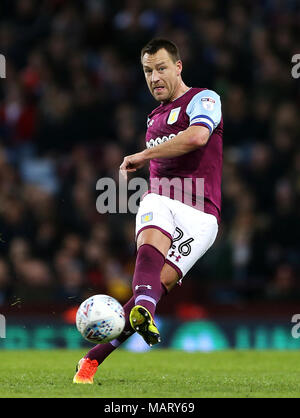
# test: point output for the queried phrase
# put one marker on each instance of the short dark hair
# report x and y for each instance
(159, 43)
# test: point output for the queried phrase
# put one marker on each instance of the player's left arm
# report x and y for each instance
(205, 114)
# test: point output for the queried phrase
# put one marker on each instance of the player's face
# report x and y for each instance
(162, 75)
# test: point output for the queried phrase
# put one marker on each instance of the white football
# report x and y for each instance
(100, 319)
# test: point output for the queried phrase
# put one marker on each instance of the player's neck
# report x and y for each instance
(181, 90)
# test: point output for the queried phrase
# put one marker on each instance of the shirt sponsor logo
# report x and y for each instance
(159, 140)
(173, 116)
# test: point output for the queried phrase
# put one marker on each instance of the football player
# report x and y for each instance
(177, 221)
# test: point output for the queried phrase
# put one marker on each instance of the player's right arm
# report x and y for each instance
(205, 114)
(189, 140)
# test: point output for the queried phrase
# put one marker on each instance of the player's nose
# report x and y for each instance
(155, 76)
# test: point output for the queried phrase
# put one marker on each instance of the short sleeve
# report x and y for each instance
(205, 109)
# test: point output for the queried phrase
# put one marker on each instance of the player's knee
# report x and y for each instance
(168, 283)
(169, 277)
(155, 238)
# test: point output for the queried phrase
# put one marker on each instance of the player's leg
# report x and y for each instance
(154, 231)
(87, 366)
(152, 247)
(195, 232)
(154, 228)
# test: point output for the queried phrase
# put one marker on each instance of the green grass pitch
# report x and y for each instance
(159, 374)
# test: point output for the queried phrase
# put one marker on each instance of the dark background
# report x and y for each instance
(75, 102)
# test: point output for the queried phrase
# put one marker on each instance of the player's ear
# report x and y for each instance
(179, 67)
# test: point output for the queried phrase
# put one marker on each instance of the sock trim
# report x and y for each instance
(115, 343)
(145, 297)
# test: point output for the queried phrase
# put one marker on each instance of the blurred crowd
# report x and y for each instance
(74, 103)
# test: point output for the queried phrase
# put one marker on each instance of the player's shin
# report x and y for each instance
(146, 285)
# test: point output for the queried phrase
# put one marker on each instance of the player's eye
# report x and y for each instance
(161, 68)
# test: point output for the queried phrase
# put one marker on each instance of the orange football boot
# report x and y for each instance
(85, 369)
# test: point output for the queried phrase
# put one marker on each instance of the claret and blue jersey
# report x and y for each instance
(200, 107)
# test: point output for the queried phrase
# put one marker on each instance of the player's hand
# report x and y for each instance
(132, 163)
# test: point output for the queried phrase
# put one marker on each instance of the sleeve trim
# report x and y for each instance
(203, 116)
(202, 124)
(204, 120)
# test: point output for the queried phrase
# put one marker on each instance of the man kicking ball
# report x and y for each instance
(175, 225)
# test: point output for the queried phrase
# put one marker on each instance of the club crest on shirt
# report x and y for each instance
(208, 103)
(147, 217)
(173, 116)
